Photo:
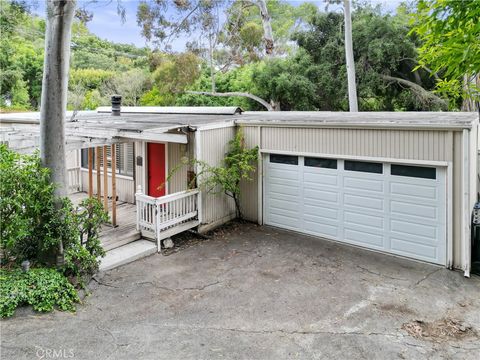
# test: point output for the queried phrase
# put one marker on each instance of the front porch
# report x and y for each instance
(125, 230)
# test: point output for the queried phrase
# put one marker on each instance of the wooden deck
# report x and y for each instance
(125, 231)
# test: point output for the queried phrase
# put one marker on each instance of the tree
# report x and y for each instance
(385, 57)
(350, 61)
(238, 165)
(450, 32)
(54, 95)
(203, 16)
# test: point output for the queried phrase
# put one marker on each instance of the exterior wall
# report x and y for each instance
(212, 147)
(422, 145)
(178, 180)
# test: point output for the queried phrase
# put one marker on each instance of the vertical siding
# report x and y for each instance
(177, 171)
(401, 144)
(249, 197)
(216, 208)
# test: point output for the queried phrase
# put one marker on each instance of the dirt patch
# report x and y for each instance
(440, 330)
(187, 239)
(396, 308)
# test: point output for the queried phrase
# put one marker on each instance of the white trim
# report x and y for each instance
(198, 156)
(152, 136)
(360, 158)
(260, 177)
(449, 185)
(213, 126)
(465, 203)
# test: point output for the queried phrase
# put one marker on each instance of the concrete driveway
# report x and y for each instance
(260, 293)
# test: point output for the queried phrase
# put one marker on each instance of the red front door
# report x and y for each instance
(156, 169)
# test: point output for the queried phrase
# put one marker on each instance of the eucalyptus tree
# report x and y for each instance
(203, 17)
(54, 94)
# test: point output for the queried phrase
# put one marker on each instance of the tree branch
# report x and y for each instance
(421, 93)
(228, 94)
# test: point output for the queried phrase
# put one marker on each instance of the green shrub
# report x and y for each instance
(34, 220)
(42, 288)
(82, 260)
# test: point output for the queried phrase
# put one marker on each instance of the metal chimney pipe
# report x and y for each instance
(116, 104)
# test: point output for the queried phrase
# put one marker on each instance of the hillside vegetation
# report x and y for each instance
(307, 73)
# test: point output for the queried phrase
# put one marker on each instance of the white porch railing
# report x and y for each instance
(160, 218)
(74, 180)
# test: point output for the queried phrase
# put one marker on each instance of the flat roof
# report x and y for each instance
(411, 119)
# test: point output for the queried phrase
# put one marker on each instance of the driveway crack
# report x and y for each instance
(195, 288)
(426, 277)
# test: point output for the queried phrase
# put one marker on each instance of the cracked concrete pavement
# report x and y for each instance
(255, 292)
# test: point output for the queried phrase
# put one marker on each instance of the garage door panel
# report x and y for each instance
(363, 219)
(283, 204)
(284, 172)
(320, 213)
(323, 196)
(284, 221)
(364, 238)
(357, 183)
(412, 229)
(419, 251)
(363, 202)
(323, 229)
(280, 190)
(313, 180)
(414, 190)
(402, 208)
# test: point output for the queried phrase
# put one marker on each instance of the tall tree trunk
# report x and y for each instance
(352, 86)
(54, 93)
(267, 27)
(210, 56)
(471, 103)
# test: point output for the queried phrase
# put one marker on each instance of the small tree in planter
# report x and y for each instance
(238, 164)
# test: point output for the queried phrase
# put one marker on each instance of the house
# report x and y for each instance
(399, 183)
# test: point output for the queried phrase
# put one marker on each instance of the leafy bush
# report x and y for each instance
(81, 258)
(35, 221)
(43, 289)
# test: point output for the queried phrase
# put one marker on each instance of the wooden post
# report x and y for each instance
(90, 172)
(114, 185)
(98, 149)
(105, 179)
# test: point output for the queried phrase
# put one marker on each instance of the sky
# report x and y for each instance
(107, 24)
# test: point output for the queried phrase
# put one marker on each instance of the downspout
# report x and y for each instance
(467, 245)
(198, 156)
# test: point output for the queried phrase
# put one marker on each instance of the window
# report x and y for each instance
(321, 163)
(414, 171)
(124, 159)
(284, 159)
(370, 167)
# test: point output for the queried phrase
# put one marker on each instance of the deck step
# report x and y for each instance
(127, 253)
(112, 239)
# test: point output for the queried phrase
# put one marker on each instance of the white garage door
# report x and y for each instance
(393, 208)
